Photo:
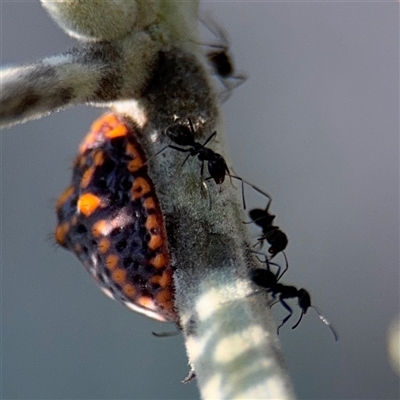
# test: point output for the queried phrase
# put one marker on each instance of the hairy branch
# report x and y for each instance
(153, 75)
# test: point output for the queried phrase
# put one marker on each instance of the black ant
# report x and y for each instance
(268, 280)
(272, 234)
(182, 135)
(220, 60)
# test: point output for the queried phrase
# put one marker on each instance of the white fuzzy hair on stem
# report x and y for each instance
(147, 67)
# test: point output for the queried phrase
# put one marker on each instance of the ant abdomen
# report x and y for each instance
(278, 241)
(260, 218)
(217, 168)
(262, 277)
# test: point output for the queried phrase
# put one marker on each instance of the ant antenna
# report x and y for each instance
(268, 262)
(286, 262)
(326, 322)
(297, 323)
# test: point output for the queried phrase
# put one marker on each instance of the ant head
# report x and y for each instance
(217, 168)
(181, 134)
(304, 300)
(262, 277)
(261, 217)
(305, 303)
(221, 62)
(278, 242)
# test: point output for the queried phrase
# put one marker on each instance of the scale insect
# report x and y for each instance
(110, 218)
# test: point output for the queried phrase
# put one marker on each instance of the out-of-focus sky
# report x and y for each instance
(316, 125)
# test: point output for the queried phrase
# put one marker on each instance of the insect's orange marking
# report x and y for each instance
(156, 241)
(118, 131)
(135, 164)
(61, 233)
(149, 204)
(129, 290)
(165, 299)
(87, 177)
(146, 302)
(101, 126)
(103, 245)
(131, 150)
(109, 120)
(158, 261)
(88, 204)
(112, 261)
(64, 197)
(140, 187)
(119, 275)
(164, 280)
(100, 227)
(98, 159)
(137, 161)
(152, 222)
(98, 124)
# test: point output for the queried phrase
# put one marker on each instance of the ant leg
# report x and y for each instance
(285, 305)
(212, 136)
(260, 242)
(297, 323)
(191, 126)
(165, 334)
(230, 86)
(178, 148)
(182, 151)
(191, 375)
(257, 189)
(156, 154)
(272, 304)
(266, 261)
(209, 23)
(240, 179)
(184, 161)
(287, 265)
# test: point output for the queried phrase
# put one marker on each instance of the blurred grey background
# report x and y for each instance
(316, 125)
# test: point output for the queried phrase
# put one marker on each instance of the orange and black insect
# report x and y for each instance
(110, 218)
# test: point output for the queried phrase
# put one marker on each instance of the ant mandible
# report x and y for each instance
(272, 234)
(265, 278)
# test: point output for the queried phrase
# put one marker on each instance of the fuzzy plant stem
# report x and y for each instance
(152, 74)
